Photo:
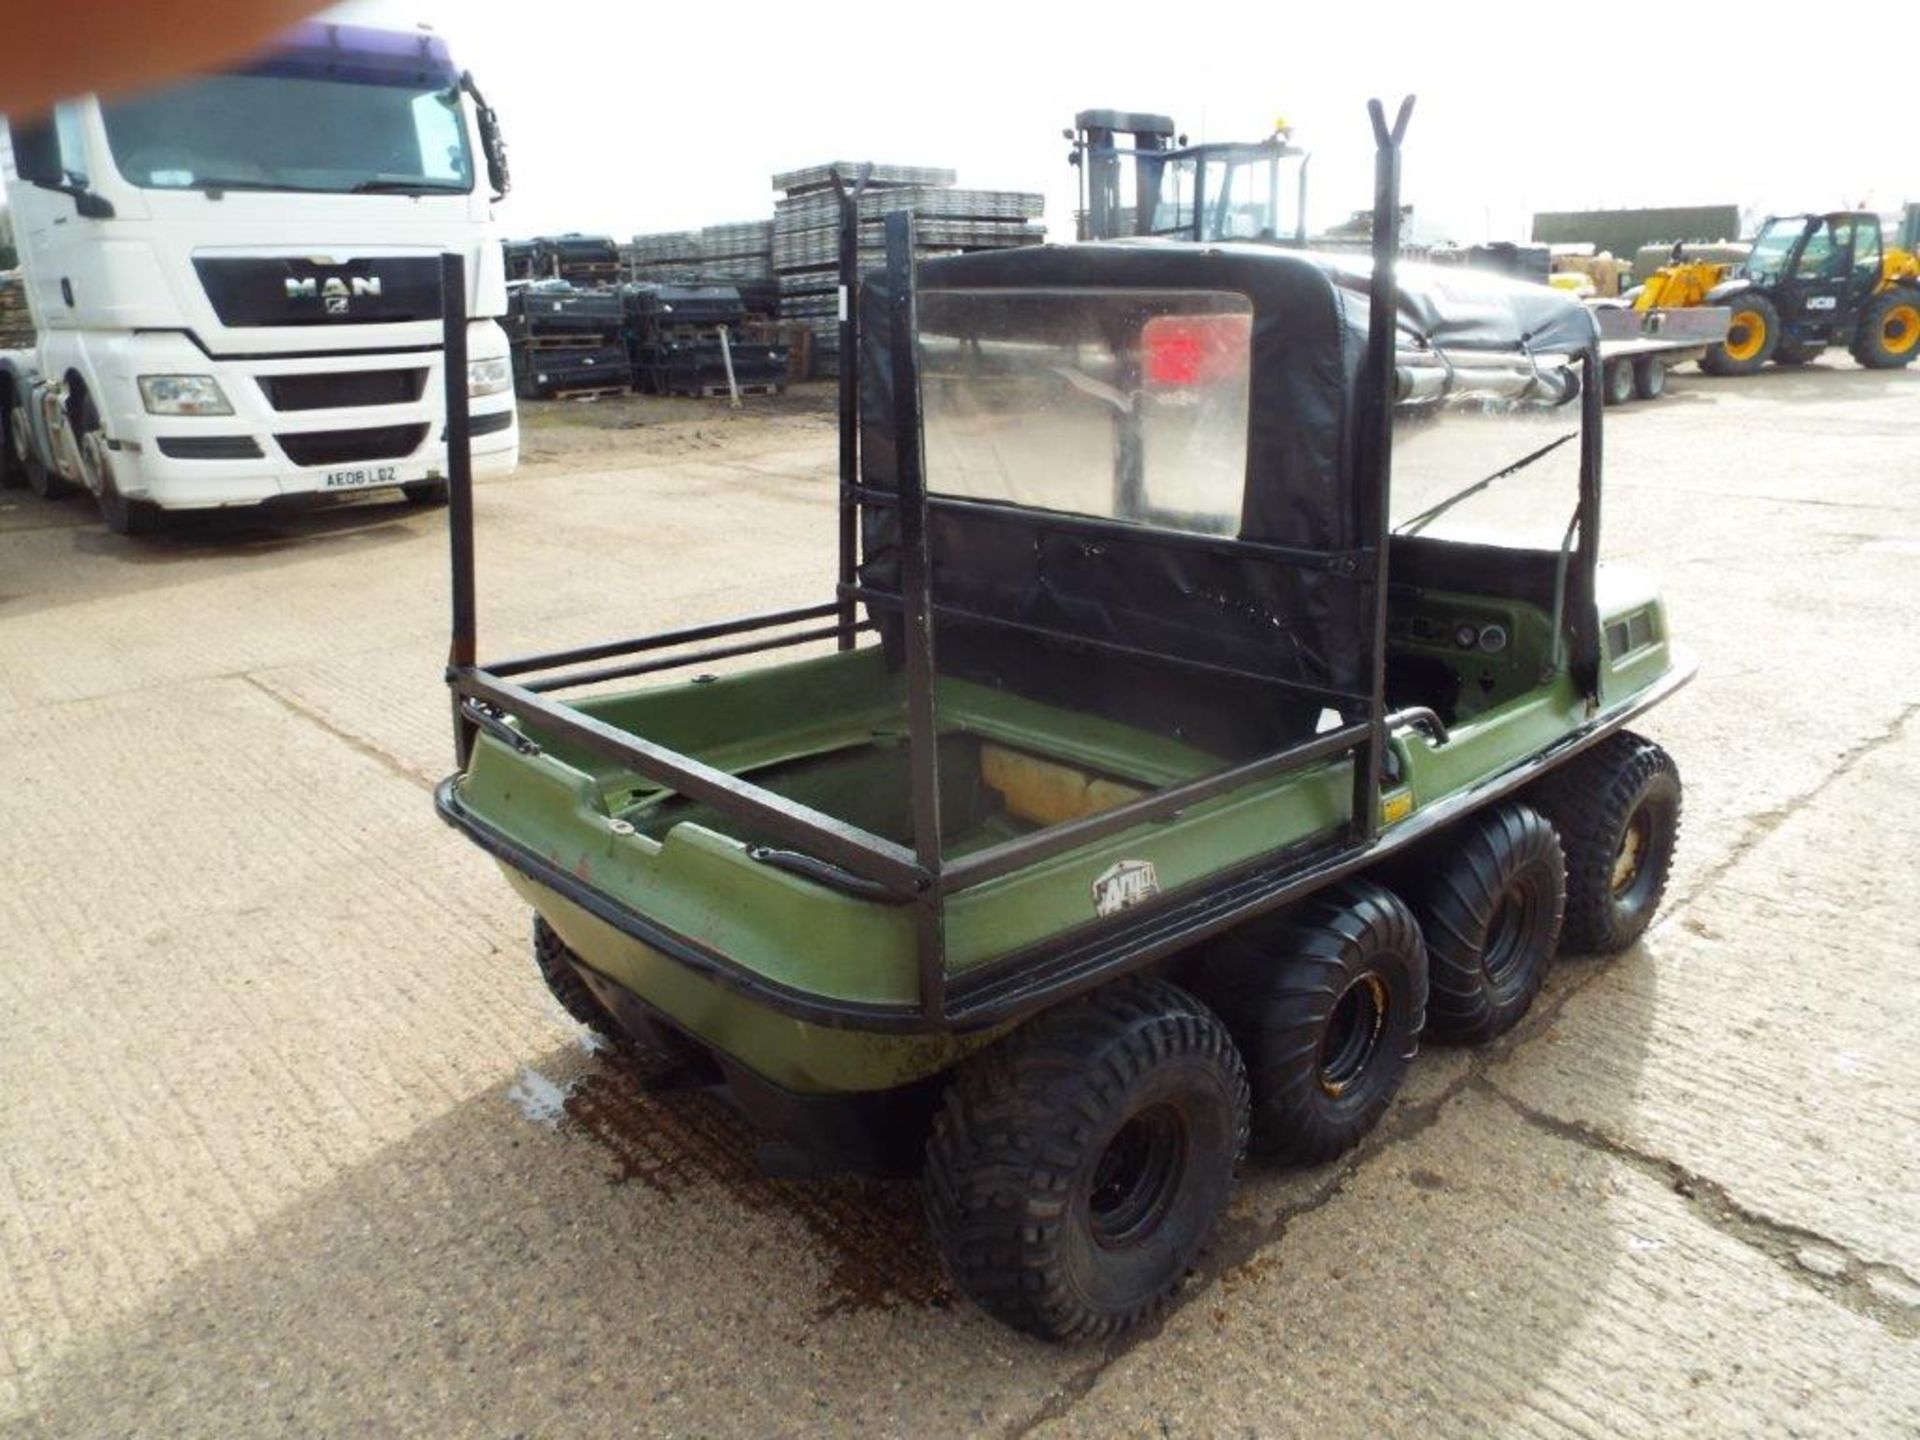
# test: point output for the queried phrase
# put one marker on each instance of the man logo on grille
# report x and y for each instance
(336, 292)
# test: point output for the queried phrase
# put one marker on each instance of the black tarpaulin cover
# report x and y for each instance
(1307, 626)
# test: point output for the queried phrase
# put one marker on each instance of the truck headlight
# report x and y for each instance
(183, 395)
(488, 377)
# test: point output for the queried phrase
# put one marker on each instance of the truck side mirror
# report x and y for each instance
(36, 152)
(38, 161)
(491, 141)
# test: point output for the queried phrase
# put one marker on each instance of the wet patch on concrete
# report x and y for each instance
(869, 1234)
(538, 1098)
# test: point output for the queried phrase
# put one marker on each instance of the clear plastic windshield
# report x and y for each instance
(1489, 454)
(1121, 404)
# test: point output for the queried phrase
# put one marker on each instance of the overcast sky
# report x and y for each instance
(626, 117)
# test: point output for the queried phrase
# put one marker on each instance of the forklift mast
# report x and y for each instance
(1106, 212)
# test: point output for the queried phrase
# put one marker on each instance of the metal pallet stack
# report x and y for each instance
(584, 260)
(522, 259)
(669, 255)
(566, 341)
(703, 340)
(741, 250)
(16, 323)
(806, 233)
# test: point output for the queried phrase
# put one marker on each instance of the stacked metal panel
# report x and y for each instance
(581, 259)
(674, 251)
(523, 259)
(565, 340)
(685, 339)
(951, 220)
(741, 250)
(16, 323)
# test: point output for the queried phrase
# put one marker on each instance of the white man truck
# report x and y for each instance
(235, 281)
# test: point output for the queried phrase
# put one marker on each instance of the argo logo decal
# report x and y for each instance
(1125, 885)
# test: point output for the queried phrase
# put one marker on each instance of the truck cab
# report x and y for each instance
(235, 280)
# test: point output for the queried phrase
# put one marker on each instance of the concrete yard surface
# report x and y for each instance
(292, 1141)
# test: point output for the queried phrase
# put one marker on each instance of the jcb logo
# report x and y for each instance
(338, 294)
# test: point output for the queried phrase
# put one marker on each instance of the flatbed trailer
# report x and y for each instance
(1638, 347)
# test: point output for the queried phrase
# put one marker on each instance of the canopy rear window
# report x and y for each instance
(1123, 404)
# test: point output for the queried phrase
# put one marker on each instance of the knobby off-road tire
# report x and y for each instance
(550, 953)
(1327, 1007)
(1752, 336)
(1617, 809)
(1076, 1168)
(1888, 335)
(1491, 914)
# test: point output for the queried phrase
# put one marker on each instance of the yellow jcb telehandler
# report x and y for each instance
(1810, 281)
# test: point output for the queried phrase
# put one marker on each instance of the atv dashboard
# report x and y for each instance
(1462, 654)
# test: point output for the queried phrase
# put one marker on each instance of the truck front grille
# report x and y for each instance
(249, 290)
(346, 447)
(348, 388)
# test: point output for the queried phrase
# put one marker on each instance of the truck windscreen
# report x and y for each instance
(279, 129)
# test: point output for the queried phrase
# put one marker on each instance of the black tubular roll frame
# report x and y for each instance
(831, 851)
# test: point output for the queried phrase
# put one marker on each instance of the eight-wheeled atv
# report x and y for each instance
(1178, 766)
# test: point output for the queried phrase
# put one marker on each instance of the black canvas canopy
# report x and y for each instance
(1285, 604)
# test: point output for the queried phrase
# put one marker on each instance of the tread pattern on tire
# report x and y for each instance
(1011, 1134)
(555, 960)
(1458, 908)
(1275, 1003)
(1589, 802)
(1865, 346)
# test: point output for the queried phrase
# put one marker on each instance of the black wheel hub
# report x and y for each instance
(1137, 1176)
(1353, 1034)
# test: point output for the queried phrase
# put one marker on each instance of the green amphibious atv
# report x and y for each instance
(1159, 773)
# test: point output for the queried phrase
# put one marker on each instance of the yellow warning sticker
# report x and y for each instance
(1396, 807)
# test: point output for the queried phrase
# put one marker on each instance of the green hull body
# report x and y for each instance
(831, 732)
